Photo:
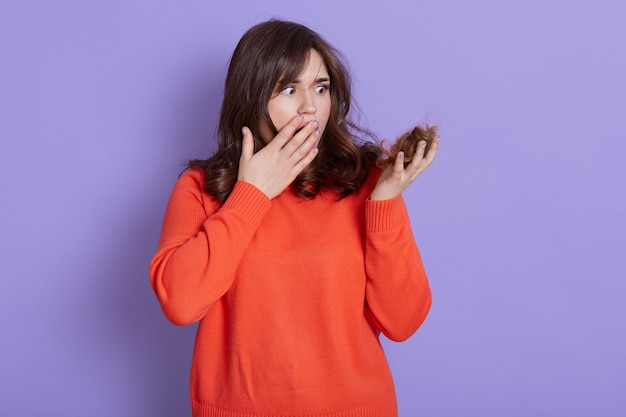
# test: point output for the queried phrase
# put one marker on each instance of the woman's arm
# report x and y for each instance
(200, 247)
(397, 293)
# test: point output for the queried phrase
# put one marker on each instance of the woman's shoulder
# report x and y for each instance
(191, 179)
(190, 188)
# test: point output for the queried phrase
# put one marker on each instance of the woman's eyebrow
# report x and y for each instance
(298, 81)
(316, 81)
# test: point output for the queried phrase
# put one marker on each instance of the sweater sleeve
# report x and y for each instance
(200, 247)
(397, 293)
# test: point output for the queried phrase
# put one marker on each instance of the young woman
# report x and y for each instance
(289, 245)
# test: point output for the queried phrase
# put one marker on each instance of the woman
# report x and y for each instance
(289, 246)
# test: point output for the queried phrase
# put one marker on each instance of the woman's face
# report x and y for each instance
(309, 96)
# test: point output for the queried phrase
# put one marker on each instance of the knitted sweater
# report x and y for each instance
(291, 296)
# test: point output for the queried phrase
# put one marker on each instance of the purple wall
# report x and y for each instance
(521, 221)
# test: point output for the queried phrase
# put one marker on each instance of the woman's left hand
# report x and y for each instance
(396, 178)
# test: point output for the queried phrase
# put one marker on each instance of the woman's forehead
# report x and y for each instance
(312, 64)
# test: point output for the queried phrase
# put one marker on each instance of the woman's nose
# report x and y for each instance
(308, 104)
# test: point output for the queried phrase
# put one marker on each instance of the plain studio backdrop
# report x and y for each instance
(521, 221)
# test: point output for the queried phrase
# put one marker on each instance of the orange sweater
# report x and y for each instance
(291, 296)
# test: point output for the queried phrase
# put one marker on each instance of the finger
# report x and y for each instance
(305, 161)
(398, 164)
(286, 133)
(303, 142)
(247, 145)
(421, 149)
(424, 162)
(432, 152)
(417, 157)
(301, 138)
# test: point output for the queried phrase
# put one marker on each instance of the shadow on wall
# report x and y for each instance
(150, 357)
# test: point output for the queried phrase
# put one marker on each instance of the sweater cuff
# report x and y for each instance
(249, 201)
(382, 215)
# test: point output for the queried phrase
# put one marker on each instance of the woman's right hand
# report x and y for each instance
(276, 166)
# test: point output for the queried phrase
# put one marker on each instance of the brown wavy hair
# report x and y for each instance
(267, 53)
(408, 144)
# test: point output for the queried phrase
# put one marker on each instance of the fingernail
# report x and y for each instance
(300, 116)
(317, 132)
(243, 130)
(423, 144)
(315, 123)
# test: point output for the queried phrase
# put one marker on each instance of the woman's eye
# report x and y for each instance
(289, 91)
(321, 89)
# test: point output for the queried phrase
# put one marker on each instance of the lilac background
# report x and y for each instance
(521, 222)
